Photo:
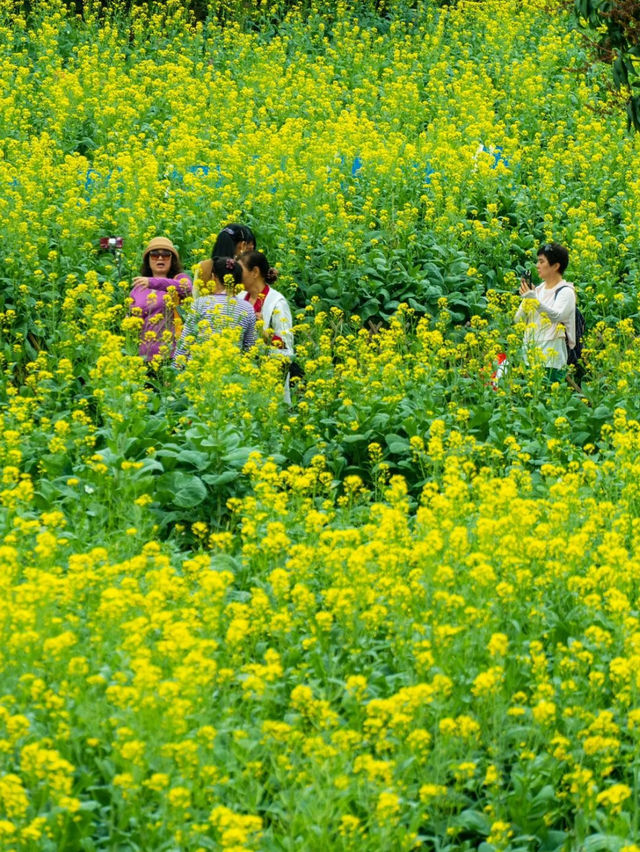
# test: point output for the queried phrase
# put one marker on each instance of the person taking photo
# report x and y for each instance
(549, 311)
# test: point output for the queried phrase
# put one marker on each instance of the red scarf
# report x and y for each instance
(276, 341)
(259, 302)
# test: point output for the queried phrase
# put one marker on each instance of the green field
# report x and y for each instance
(401, 612)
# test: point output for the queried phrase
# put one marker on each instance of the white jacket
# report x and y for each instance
(276, 315)
(548, 314)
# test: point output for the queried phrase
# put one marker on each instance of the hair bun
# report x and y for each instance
(272, 275)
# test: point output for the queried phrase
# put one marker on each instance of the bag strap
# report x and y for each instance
(564, 287)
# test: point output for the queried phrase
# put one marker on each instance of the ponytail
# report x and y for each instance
(223, 266)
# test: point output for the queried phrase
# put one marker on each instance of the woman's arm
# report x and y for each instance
(182, 283)
(249, 332)
(562, 308)
(529, 295)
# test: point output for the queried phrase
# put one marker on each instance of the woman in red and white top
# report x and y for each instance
(269, 304)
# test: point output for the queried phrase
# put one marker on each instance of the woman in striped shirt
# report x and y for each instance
(219, 311)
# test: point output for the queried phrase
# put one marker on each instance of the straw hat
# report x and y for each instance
(161, 243)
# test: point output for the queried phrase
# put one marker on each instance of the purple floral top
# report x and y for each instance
(156, 306)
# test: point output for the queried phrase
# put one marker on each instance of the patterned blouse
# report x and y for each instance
(222, 312)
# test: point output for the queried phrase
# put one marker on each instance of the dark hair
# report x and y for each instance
(223, 266)
(251, 259)
(228, 239)
(555, 253)
(175, 267)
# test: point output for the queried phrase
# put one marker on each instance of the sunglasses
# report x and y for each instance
(160, 253)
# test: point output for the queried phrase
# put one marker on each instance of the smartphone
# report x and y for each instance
(524, 275)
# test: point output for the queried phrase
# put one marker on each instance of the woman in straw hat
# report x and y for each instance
(156, 294)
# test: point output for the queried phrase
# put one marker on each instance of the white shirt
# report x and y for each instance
(548, 314)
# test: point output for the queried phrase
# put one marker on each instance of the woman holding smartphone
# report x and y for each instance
(549, 311)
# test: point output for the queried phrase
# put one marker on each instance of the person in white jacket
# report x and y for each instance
(269, 305)
(549, 311)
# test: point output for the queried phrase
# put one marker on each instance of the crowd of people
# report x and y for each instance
(233, 289)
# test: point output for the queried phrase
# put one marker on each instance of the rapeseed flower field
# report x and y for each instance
(402, 611)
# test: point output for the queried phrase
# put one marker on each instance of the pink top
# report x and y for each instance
(156, 307)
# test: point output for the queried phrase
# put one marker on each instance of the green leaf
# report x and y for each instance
(554, 841)
(397, 444)
(198, 460)
(481, 417)
(180, 489)
(239, 457)
(168, 451)
(221, 478)
(602, 412)
(602, 843)
(356, 439)
(434, 274)
(474, 821)
(192, 494)
(368, 309)
(149, 465)
(224, 562)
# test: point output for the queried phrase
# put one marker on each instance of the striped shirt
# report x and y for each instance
(221, 312)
